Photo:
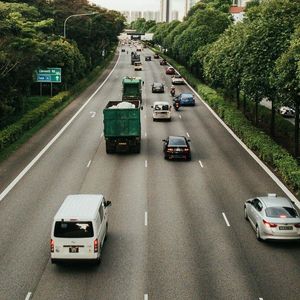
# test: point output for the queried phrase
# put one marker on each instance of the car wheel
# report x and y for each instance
(257, 233)
(245, 214)
(166, 157)
(98, 260)
(189, 158)
(106, 232)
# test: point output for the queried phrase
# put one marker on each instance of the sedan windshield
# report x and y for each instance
(177, 142)
(281, 212)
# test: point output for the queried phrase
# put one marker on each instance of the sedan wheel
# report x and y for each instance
(245, 214)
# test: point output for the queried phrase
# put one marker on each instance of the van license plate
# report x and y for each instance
(73, 249)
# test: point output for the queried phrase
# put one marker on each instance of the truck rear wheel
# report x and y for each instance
(109, 148)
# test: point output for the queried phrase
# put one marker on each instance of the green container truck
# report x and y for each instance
(122, 126)
(132, 88)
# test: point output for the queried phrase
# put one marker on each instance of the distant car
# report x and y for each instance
(158, 87)
(273, 217)
(138, 66)
(176, 147)
(156, 55)
(138, 49)
(163, 62)
(161, 111)
(123, 50)
(185, 99)
(287, 112)
(177, 79)
(170, 71)
(148, 58)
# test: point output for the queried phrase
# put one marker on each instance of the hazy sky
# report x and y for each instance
(137, 4)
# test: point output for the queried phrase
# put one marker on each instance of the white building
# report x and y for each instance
(135, 15)
(126, 14)
(151, 15)
(188, 4)
(165, 9)
(175, 15)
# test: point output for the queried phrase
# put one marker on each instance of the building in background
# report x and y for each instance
(165, 9)
(126, 14)
(188, 4)
(174, 15)
(135, 15)
(151, 15)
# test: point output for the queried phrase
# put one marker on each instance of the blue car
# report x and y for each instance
(185, 99)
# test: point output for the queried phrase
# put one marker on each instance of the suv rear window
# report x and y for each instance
(281, 212)
(73, 229)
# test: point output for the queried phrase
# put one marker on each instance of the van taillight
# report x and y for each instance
(52, 245)
(96, 244)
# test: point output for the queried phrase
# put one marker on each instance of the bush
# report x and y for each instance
(13, 132)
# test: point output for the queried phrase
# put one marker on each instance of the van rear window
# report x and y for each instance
(73, 229)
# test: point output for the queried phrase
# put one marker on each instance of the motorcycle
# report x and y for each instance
(176, 105)
(172, 92)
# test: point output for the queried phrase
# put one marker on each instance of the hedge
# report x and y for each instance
(266, 149)
(15, 131)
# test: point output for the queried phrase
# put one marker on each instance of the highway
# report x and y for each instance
(176, 228)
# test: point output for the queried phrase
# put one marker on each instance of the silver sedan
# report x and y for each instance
(273, 217)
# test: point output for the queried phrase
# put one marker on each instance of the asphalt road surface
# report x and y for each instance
(176, 229)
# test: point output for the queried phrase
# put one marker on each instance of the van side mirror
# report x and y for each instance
(107, 203)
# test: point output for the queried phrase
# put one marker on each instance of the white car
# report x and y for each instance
(161, 111)
(273, 217)
(177, 79)
(79, 229)
(286, 111)
(138, 66)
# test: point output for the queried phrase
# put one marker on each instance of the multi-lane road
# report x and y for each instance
(176, 229)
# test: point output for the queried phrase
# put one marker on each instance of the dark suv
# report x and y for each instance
(158, 87)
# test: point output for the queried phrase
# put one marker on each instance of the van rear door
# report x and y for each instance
(74, 239)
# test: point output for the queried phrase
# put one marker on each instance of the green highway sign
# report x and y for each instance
(49, 75)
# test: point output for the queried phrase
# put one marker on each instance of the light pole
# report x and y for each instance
(77, 15)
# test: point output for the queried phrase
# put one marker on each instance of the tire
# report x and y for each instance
(189, 158)
(106, 232)
(98, 260)
(245, 214)
(53, 261)
(257, 233)
(137, 148)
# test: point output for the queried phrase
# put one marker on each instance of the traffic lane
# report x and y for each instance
(237, 177)
(59, 172)
(28, 213)
(185, 263)
(121, 272)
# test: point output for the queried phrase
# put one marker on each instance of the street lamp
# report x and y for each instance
(78, 15)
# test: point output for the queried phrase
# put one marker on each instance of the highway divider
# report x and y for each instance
(259, 142)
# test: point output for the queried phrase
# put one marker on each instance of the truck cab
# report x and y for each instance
(132, 88)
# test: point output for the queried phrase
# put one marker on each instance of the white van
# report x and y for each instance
(79, 228)
(161, 111)
(138, 66)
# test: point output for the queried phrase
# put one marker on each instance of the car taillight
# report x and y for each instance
(297, 225)
(52, 245)
(170, 150)
(269, 224)
(186, 150)
(96, 244)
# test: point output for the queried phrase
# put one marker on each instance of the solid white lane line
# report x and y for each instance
(146, 163)
(251, 153)
(225, 218)
(145, 134)
(179, 116)
(101, 136)
(187, 134)
(28, 296)
(200, 163)
(42, 152)
(89, 163)
(146, 218)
